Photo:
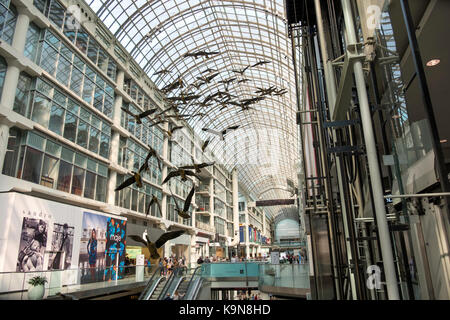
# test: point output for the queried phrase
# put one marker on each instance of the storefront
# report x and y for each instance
(180, 247)
(201, 245)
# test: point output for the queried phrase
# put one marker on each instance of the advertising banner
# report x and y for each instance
(42, 235)
(102, 248)
(241, 234)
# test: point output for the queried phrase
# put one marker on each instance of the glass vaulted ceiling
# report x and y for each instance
(159, 33)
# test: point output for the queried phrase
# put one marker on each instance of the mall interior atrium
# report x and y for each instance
(224, 150)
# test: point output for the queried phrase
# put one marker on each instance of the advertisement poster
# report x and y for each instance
(62, 245)
(92, 249)
(102, 247)
(275, 257)
(33, 241)
(115, 248)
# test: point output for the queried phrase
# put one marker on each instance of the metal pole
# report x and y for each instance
(331, 94)
(375, 177)
(415, 52)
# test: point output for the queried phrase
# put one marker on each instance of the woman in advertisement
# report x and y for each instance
(33, 259)
(92, 252)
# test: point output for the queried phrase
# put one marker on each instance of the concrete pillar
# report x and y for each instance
(165, 187)
(235, 189)
(112, 179)
(211, 202)
(12, 78)
(20, 34)
(118, 102)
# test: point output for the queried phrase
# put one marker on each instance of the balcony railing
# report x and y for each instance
(203, 188)
(204, 226)
(202, 206)
(14, 285)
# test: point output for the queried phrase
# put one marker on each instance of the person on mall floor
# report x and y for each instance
(200, 260)
(207, 260)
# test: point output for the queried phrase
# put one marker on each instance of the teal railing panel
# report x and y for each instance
(284, 275)
(228, 270)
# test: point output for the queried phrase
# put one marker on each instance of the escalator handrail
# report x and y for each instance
(190, 281)
(176, 272)
(149, 284)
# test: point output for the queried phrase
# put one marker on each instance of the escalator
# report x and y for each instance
(191, 287)
(187, 282)
(154, 286)
(158, 289)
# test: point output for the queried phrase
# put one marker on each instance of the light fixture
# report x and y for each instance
(433, 62)
(443, 141)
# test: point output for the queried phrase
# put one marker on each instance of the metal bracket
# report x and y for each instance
(344, 95)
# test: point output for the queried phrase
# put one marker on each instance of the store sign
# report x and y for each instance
(276, 202)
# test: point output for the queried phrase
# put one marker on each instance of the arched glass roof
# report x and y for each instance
(158, 33)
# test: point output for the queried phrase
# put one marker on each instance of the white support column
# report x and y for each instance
(7, 101)
(211, 203)
(20, 34)
(112, 180)
(235, 189)
(247, 236)
(115, 140)
(165, 187)
(118, 102)
(375, 177)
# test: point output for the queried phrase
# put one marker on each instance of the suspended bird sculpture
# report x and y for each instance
(260, 63)
(140, 116)
(245, 108)
(208, 79)
(224, 104)
(199, 54)
(280, 92)
(183, 173)
(150, 154)
(205, 144)
(266, 91)
(227, 82)
(135, 178)
(171, 131)
(187, 203)
(154, 200)
(209, 70)
(222, 133)
(163, 71)
(197, 84)
(226, 94)
(159, 118)
(184, 97)
(241, 71)
(248, 102)
(197, 166)
(153, 246)
(243, 80)
(174, 85)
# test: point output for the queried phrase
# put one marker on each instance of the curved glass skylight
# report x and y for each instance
(158, 33)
